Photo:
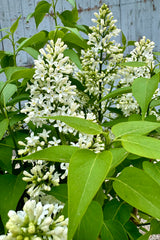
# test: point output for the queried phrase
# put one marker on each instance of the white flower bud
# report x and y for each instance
(31, 228)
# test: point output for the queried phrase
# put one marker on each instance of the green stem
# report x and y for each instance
(100, 91)
(13, 139)
(14, 50)
(10, 130)
(54, 11)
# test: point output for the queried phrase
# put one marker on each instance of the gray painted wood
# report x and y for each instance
(136, 18)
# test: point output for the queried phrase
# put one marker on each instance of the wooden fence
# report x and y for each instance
(136, 18)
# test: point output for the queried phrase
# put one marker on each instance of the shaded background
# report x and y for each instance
(136, 18)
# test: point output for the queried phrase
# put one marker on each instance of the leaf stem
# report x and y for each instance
(10, 130)
(54, 3)
(14, 50)
(100, 90)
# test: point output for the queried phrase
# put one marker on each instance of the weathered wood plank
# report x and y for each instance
(135, 17)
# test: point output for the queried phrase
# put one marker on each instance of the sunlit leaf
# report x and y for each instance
(15, 25)
(142, 146)
(134, 127)
(80, 124)
(139, 190)
(143, 90)
(60, 153)
(87, 171)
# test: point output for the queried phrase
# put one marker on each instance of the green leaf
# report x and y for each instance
(15, 25)
(72, 30)
(115, 121)
(118, 154)
(123, 39)
(73, 56)
(7, 91)
(21, 97)
(153, 170)
(41, 9)
(59, 192)
(7, 61)
(17, 118)
(91, 223)
(154, 103)
(156, 53)
(113, 230)
(142, 146)
(5, 158)
(10, 70)
(38, 37)
(155, 226)
(131, 43)
(19, 135)
(139, 190)
(117, 92)
(23, 73)
(56, 34)
(72, 2)
(135, 117)
(60, 153)
(1, 70)
(3, 29)
(69, 18)
(11, 189)
(132, 230)
(87, 171)
(77, 83)
(100, 196)
(145, 236)
(31, 51)
(143, 90)
(117, 210)
(6, 36)
(30, 15)
(80, 124)
(134, 127)
(3, 127)
(83, 28)
(3, 53)
(134, 64)
(73, 40)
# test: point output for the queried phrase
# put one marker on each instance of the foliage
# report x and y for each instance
(79, 132)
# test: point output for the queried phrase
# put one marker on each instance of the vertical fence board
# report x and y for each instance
(136, 18)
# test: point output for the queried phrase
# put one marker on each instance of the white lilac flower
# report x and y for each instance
(33, 143)
(44, 134)
(54, 142)
(143, 52)
(41, 178)
(50, 86)
(52, 94)
(128, 104)
(100, 62)
(36, 222)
